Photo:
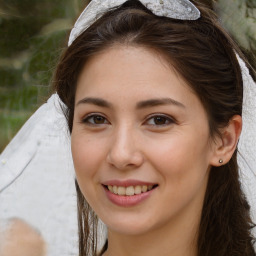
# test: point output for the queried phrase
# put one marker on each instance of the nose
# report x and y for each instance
(125, 151)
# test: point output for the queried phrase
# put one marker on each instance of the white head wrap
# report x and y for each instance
(176, 9)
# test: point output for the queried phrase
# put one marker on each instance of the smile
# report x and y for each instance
(130, 190)
(126, 194)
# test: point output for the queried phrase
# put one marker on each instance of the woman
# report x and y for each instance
(154, 109)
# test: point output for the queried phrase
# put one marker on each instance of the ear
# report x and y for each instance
(225, 145)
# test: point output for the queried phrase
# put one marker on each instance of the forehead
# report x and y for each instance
(130, 69)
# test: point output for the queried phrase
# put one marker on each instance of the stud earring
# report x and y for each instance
(221, 161)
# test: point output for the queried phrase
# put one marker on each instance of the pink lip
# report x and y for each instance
(127, 183)
(127, 201)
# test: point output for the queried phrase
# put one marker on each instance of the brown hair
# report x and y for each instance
(203, 54)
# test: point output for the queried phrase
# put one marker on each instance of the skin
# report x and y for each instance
(174, 151)
(20, 239)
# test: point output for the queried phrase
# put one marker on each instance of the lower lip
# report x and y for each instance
(127, 201)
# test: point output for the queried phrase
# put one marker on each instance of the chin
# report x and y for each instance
(128, 225)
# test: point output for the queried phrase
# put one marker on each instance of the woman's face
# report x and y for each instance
(140, 142)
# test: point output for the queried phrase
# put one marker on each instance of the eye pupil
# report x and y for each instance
(160, 120)
(98, 120)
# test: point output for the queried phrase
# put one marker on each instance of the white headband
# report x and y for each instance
(176, 9)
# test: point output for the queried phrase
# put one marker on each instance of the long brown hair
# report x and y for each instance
(203, 54)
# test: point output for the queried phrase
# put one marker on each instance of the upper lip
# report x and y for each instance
(127, 183)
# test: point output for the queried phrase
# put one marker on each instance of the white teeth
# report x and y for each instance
(137, 190)
(115, 189)
(129, 191)
(144, 188)
(121, 191)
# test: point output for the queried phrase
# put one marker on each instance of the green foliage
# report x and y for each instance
(45, 55)
(239, 18)
(16, 99)
(9, 77)
(251, 4)
(18, 40)
(10, 122)
(33, 34)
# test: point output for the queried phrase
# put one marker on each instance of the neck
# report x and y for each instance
(177, 239)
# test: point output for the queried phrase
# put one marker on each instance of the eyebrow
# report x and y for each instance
(95, 101)
(142, 104)
(158, 102)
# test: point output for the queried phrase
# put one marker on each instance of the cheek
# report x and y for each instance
(87, 156)
(183, 156)
(184, 171)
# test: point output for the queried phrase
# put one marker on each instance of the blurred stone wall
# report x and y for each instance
(33, 34)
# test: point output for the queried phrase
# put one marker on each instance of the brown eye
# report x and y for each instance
(99, 120)
(160, 120)
(95, 120)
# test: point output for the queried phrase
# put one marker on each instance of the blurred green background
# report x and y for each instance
(33, 33)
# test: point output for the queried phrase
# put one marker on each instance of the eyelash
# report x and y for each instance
(153, 117)
(166, 118)
(93, 116)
